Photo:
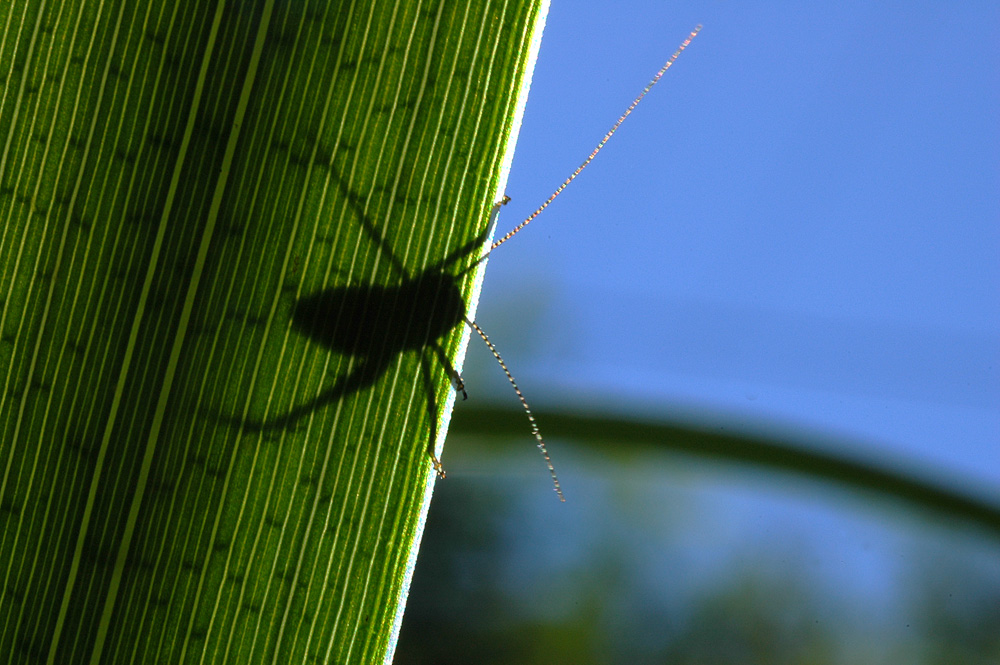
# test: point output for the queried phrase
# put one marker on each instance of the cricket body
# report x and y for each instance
(510, 234)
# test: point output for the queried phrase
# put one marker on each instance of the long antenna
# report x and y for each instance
(496, 354)
(614, 128)
(524, 403)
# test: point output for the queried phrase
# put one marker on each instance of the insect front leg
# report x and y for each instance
(456, 378)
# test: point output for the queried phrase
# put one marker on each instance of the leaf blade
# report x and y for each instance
(176, 534)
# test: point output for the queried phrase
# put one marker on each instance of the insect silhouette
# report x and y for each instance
(374, 324)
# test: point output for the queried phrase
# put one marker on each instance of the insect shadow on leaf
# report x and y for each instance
(374, 323)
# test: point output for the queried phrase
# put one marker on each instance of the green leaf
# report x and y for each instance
(230, 236)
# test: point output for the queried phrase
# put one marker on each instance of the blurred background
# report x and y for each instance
(796, 235)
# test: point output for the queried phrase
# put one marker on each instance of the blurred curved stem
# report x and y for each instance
(783, 454)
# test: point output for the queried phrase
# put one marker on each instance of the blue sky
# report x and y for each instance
(798, 228)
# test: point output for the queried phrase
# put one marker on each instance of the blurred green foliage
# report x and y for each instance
(664, 558)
